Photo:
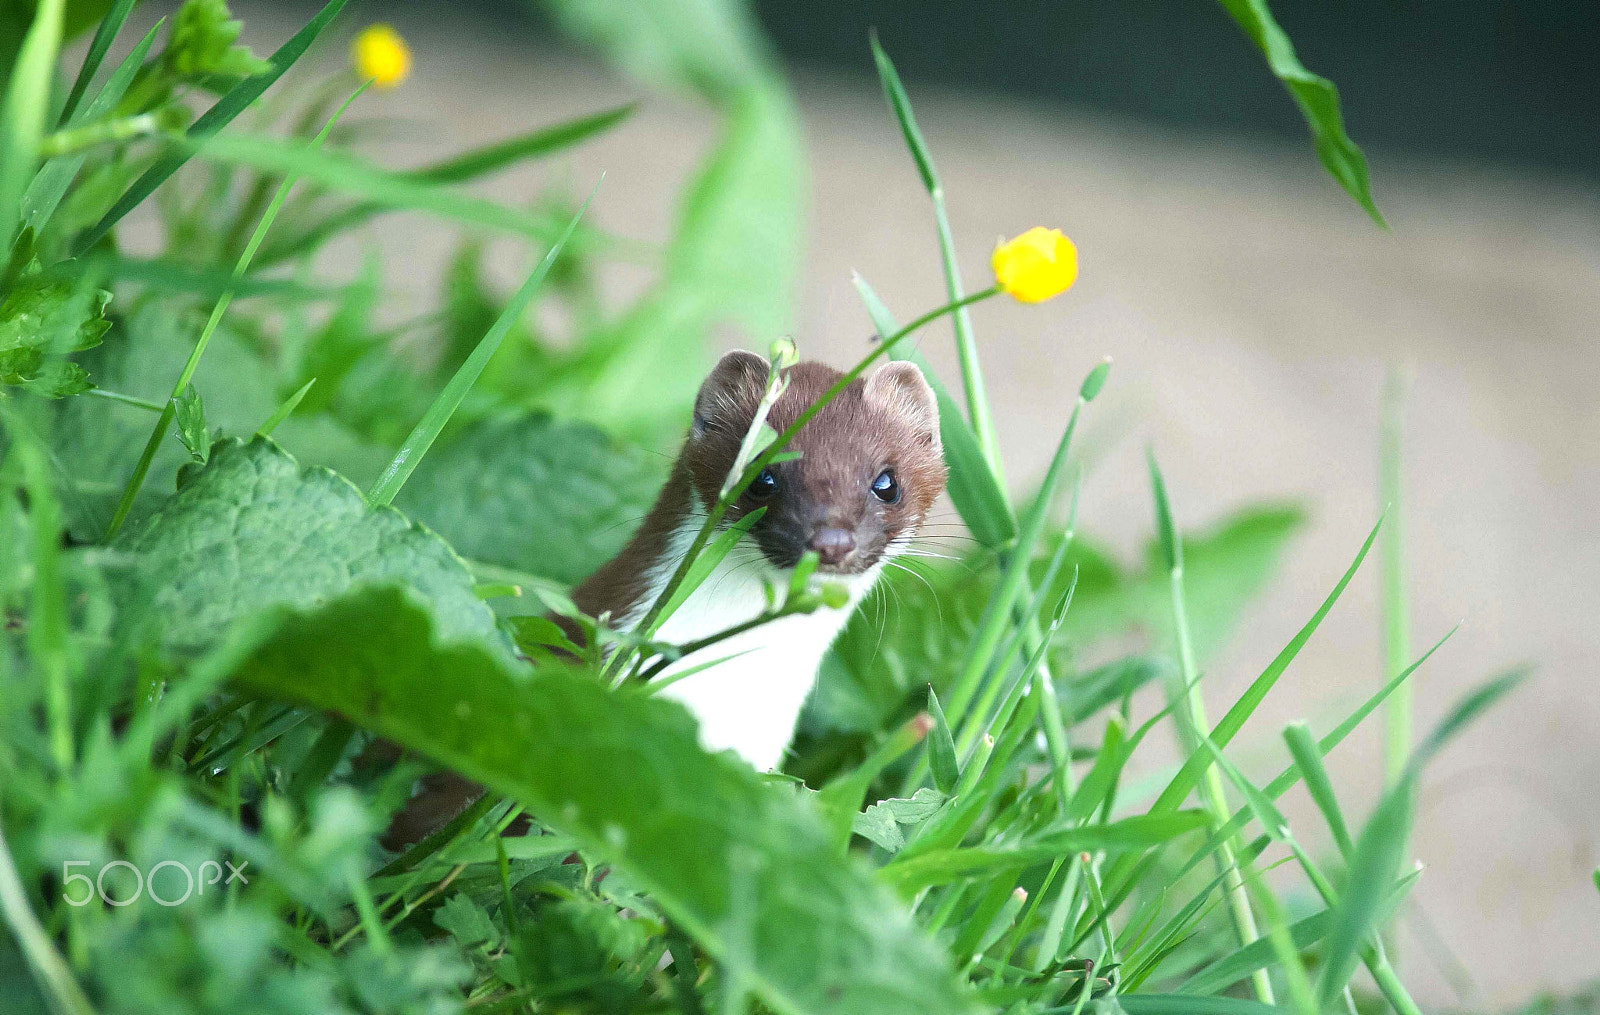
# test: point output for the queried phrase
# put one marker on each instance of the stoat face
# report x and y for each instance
(870, 464)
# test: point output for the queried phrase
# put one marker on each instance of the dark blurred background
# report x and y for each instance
(1512, 84)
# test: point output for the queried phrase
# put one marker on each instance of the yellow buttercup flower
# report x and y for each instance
(1037, 265)
(380, 54)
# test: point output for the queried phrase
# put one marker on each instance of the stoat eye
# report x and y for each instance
(886, 488)
(763, 486)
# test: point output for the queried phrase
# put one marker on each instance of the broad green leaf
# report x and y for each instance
(1316, 96)
(239, 98)
(534, 494)
(254, 529)
(736, 238)
(623, 776)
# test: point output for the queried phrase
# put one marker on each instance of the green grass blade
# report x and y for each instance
(1317, 98)
(1391, 558)
(478, 162)
(1235, 966)
(427, 430)
(1308, 763)
(1382, 846)
(1242, 709)
(1188, 1004)
(344, 172)
(285, 410)
(48, 187)
(236, 101)
(966, 348)
(978, 498)
(941, 748)
(104, 36)
(23, 111)
(1136, 833)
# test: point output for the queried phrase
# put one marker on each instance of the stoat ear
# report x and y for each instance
(730, 393)
(901, 389)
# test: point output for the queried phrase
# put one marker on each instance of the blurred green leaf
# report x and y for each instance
(1316, 96)
(621, 774)
(254, 529)
(42, 320)
(204, 42)
(238, 99)
(23, 109)
(537, 495)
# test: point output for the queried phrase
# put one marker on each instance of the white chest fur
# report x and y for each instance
(750, 702)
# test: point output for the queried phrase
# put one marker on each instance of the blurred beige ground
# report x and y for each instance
(1251, 309)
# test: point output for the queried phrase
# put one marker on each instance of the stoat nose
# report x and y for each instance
(832, 546)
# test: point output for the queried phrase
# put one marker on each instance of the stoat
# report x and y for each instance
(870, 468)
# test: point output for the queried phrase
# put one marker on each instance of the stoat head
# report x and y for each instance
(870, 464)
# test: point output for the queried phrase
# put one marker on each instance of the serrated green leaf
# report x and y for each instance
(622, 775)
(881, 823)
(549, 498)
(190, 413)
(254, 529)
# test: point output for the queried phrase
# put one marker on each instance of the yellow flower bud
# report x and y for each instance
(380, 54)
(1037, 265)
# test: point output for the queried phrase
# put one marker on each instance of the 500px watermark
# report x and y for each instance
(194, 882)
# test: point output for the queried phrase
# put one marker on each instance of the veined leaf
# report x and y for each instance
(622, 775)
(254, 529)
(549, 498)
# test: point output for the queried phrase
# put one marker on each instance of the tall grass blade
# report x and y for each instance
(1391, 558)
(966, 348)
(973, 489)
(236, 101)
(1382, 846)
(48, 187)
(23, 111)
(104, 36)
(427, 430)
(1308, 763)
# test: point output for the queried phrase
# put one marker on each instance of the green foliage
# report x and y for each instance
(43, 320)
(259, 667)
(587, 489)
(254, 529)
(623, 776)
